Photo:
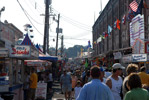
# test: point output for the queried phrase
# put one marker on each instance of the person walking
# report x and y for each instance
(144, 78)
(77, 89)
(95, 89)
(26, 85)
(136, 91)
(33, 84)
(50, 82)
(115, 81)
(66, 85)
(74, 82)
(131, 68)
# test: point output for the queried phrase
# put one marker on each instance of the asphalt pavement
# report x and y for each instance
(56, 94)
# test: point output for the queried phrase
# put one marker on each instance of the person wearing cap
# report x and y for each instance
(95, 89)
(115, 81)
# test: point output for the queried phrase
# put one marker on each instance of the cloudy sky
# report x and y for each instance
(77, 18)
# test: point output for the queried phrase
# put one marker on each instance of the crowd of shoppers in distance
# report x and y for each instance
(100, 84)
(96, 83)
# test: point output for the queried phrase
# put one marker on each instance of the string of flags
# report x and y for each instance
(134, 9)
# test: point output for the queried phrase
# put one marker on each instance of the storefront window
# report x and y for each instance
(3, 67)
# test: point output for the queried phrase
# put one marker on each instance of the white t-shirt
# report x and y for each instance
(116, 87)
(77, 91)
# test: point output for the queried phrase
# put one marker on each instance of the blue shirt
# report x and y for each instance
(65, 80)
(95, 90)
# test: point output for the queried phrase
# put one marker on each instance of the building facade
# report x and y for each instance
(117, 40)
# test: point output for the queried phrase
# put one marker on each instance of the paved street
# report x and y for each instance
(56, 95)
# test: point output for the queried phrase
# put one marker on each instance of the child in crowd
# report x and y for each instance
(77, 89)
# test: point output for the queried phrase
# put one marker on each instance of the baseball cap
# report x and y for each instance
(102, 69)
(118, 65)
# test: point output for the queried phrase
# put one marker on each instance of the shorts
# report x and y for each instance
(72, 89)
(32, 93)
(67, 88)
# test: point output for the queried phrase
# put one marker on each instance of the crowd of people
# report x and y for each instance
(98, 83)
(31, 80)
(95, 83)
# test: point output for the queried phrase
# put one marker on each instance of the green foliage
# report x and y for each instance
(70, 52)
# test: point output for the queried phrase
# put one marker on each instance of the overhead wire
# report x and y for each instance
(28, 17)
(26, 14)
(72, 19)
(33, 13)
(34, 20)
(33, 4)
(74, 23)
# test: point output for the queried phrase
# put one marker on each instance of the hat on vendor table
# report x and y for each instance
(118, 65)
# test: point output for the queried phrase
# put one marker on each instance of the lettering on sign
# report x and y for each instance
(20, 51)
(139, 57)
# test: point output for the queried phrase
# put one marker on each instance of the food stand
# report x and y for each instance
(12, 68)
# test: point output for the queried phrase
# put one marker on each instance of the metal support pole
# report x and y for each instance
(57, 34)
(46, 28)
(62, 46)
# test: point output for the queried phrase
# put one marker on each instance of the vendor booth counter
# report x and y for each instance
(12, 70)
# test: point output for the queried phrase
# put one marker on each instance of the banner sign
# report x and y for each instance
(139, 57)
(41, 91)
(117, 55)
(138, 47)
(20, 51)
(147, 47)
(137, 29)
(127, 59)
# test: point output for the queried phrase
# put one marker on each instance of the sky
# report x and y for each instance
(76, 19)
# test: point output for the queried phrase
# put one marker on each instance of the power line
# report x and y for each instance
(28, 18)
(33, 4)
(33, 19)
(74, 23)
(72, 19)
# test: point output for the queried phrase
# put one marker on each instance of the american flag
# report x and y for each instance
(134, 5)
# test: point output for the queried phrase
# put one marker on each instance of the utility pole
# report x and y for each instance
(46, 27)
(57, 31)
(62, 46)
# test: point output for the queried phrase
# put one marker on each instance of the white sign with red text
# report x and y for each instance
(20, 51)
(41, 91)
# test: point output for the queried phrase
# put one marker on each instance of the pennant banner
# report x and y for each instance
(109, 30)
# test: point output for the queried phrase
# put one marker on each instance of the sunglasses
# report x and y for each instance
(119, 69)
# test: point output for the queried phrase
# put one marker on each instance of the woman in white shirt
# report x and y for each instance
(77, 89)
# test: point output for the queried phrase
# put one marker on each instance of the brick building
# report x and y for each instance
(118, 40)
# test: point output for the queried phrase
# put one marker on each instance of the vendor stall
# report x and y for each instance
(12, 68)
(41, 65)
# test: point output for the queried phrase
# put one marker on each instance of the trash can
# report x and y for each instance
(7, 95)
